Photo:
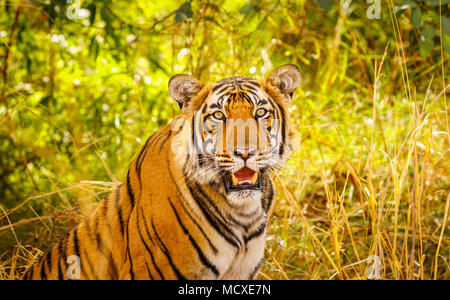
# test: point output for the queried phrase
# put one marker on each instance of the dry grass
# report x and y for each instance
(383, 215)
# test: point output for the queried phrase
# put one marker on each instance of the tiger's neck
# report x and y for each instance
(162, 197)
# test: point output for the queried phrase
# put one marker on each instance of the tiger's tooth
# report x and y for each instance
(255, 177)
(235, 181)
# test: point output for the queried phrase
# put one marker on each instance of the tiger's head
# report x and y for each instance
(233, 132)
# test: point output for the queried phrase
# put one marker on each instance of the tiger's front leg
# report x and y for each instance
(168, 247)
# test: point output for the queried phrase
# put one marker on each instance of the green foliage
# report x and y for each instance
(427, 20)
(324, 4)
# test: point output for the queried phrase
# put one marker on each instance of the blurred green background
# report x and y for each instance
(83, 85)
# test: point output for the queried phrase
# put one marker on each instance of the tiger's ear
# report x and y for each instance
(286, 79)
(183, 87)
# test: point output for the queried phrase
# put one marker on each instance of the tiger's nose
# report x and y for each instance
(244, 153)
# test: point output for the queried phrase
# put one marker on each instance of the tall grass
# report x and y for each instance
(377, 206)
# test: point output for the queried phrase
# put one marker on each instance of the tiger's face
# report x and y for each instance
(241, 133)
(238, 129)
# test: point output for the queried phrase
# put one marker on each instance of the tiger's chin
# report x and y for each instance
(244, 199)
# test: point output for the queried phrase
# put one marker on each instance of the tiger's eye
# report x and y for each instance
(218, 115)
(261, 112)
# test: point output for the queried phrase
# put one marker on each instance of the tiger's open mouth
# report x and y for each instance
(244, 179)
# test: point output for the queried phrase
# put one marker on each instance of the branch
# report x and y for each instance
(152, 27)
(4, 71)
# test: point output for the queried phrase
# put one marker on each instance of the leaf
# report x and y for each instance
(437, 2)
(416, 18)
(426, 41)
(185, 11)
(93, 9)
(247, 8)
(106, 15)
(445, 24)
(405, 5)
(324, 4)
(179, 16)
(446, 42)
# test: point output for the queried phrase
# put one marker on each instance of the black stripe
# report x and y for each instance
(278, 111)
(29, 273)
(76, 247)
(146, 227)
(254, 83)
(212, 220)
(43, 272)
(128, 249)
(224, 89)
(201, 255)
(119, 209)
(167, 254)
(214, 248)
(138, 159)
(164, 141)
(256, 233)
(232, 97)
(92, 239)
(130, 190)
(197, 150)
(253, 273)
(157, 138)
(91, 267)
(112, 264)
(218, 86)
(60, 274)
(148, 272)
(246, 98)
(96, 237)
(253, 93)
(49, 262)
(249, 87)
(262, 101)
(146, 246)
(108, 255)
(92, 230)
(76, 244)
(62, 250)
(270, 198)
(244, 226)
(283, 131)
(248, 215)
(212, 204)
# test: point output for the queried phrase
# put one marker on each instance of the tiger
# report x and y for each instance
(197, 197)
